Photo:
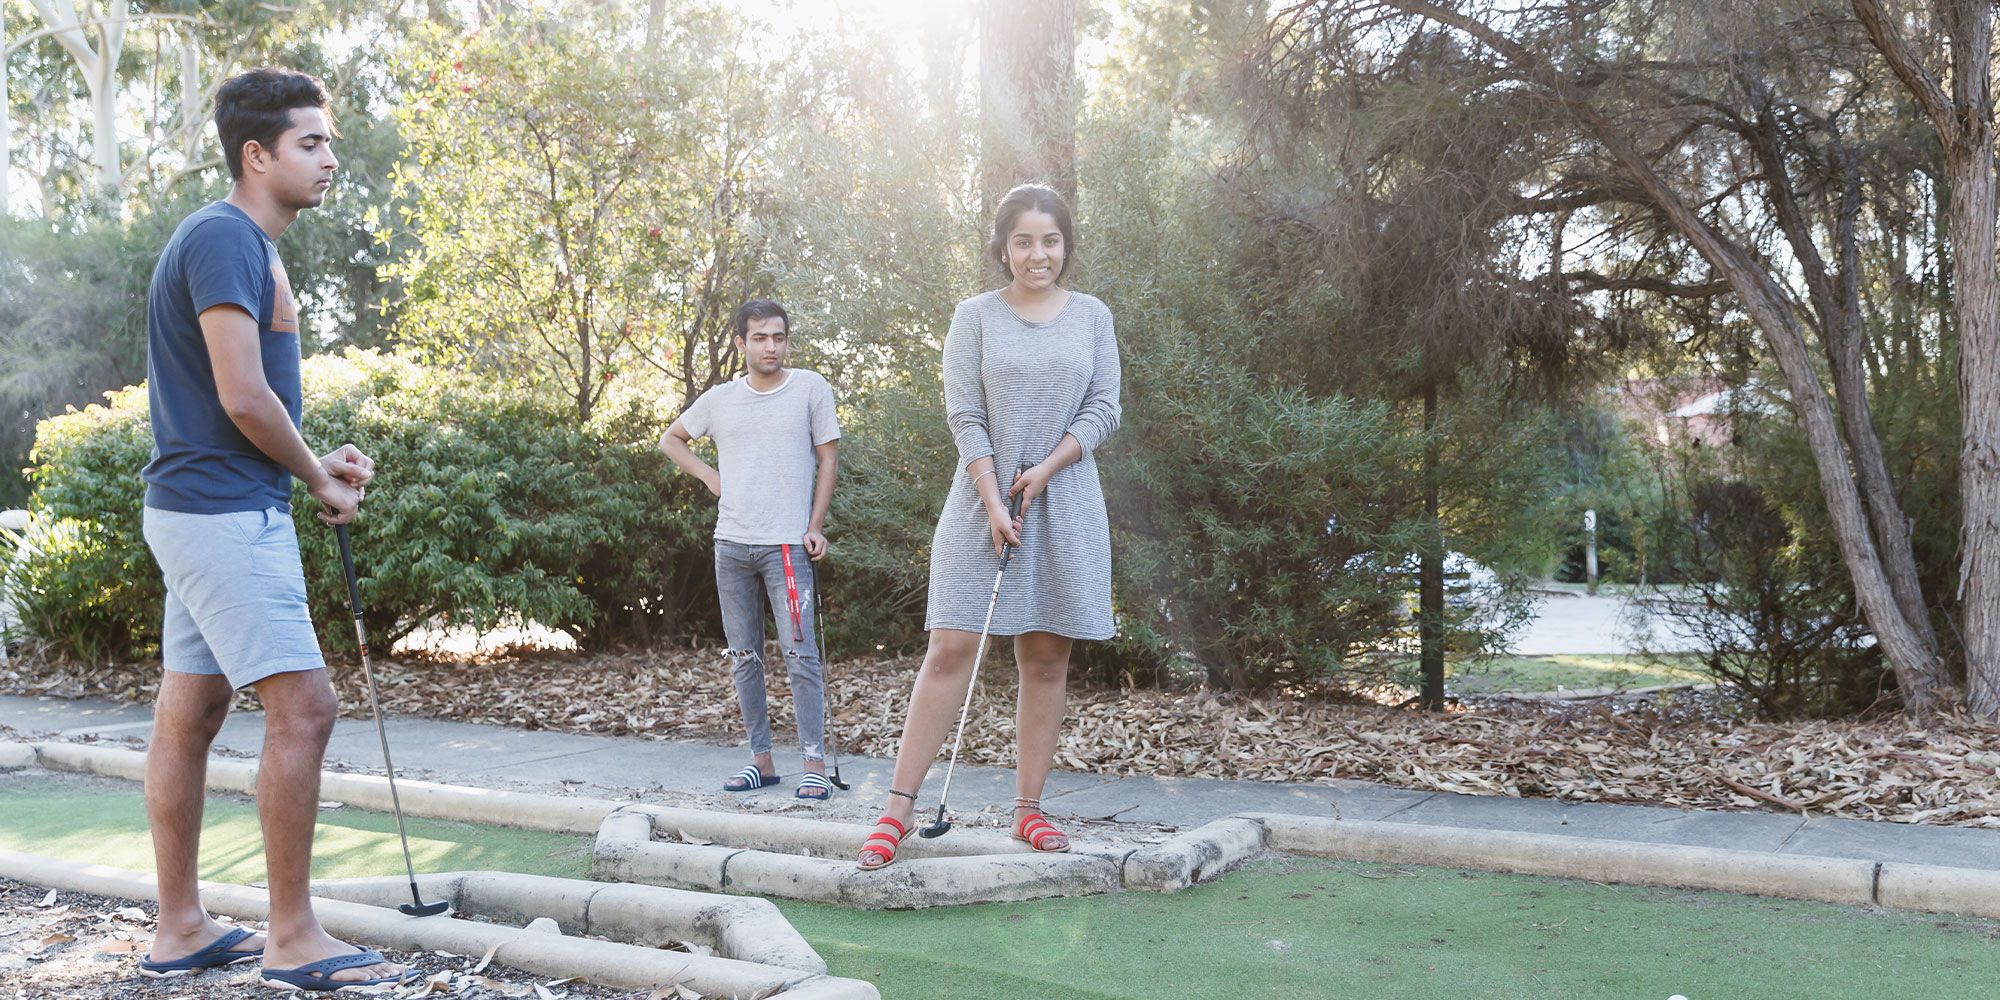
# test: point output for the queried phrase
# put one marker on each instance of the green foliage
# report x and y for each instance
(578, 196)
(89, 589)
(72, 318)
(1250, 540)
(1770, 610)
(487, 508)
(1264, 531)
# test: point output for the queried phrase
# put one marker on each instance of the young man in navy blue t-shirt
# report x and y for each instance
(222, 369)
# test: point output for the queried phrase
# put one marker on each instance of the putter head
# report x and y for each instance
(936, 828)
(425, 909)
(837, 783)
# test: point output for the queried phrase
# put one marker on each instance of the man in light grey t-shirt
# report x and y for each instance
(778, 446)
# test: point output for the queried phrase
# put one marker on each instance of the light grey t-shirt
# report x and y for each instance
(764, 445)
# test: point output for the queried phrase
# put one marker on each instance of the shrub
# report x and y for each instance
(488, 507)
(1772, 612)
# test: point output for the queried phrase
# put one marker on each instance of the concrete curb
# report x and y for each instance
(1974, 892)
(523, 810)
(1833, 880)
(627, 851)
(617, 965)
(1198, 855)
(808, 859)
(227, 774)
(750, 930)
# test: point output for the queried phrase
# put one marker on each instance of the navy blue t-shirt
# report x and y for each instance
(201, 463)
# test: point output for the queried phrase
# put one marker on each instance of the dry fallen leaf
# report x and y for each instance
(49, 900)
(118, 947)
(55, 939)
(487, 959)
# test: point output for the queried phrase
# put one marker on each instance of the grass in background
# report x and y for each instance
(1574, 672)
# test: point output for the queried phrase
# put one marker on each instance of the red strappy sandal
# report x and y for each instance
(881, 844)
(1036, 831)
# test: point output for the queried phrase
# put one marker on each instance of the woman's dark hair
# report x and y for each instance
(257, 105)
(1030, 198)
(760, 309)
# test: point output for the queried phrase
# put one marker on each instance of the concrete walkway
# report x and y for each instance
(1579, 625)
(691, 773)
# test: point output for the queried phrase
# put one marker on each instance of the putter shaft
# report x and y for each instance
(375, 704)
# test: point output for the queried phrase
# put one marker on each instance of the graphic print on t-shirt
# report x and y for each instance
(284, 309)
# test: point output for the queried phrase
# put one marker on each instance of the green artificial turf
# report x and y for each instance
(105, 823)
(1294, 927)
(1302, 928)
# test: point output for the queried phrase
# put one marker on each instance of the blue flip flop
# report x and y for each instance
(750, 779)
(317, 977)
(215, 956)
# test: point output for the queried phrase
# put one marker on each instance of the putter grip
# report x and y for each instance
(1013, 514)
(347, 569)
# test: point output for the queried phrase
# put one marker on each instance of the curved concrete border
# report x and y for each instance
(627, 850)
(1834, 880)
(1198, 855)
(621, 966)
(747, 929)
(525, 810)
(807, 859)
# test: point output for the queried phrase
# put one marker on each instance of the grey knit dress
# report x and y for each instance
(1012, 389)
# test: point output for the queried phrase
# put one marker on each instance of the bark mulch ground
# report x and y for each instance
(56, 943)
(1690, 753)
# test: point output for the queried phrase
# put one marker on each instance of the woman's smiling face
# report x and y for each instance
(1035, 251)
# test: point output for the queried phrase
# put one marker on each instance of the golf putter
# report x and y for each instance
(416, 907)
(941, 826)
(799, 635)
(819, 633)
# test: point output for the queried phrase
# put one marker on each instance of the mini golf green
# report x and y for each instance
(1289, 927)
(104, 822)
(1300, 928)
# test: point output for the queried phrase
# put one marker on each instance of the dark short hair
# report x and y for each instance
(1020, 201)
(760, 309)
(258, 105)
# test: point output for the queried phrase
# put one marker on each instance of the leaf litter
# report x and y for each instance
(1942, 771)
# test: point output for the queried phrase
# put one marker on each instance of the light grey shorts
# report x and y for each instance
(236, 594)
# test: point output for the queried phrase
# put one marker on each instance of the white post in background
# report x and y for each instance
(1590, 551)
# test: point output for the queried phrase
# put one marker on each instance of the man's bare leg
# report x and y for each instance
(299, 710)
(186, 717)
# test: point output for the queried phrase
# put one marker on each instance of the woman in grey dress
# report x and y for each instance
(1031, 390)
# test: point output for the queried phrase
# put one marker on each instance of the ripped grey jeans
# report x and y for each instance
(748, 578)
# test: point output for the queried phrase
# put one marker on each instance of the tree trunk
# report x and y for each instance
(1969, 166)
(6, 123)
(99, 67)
(1027, 96)
(1430, 572)
(1964, 123)
(1836, 298)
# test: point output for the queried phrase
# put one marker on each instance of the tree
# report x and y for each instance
(579, 201)
(1027, 96)
(1596, 65)
(1378, 192)
(1963, 120)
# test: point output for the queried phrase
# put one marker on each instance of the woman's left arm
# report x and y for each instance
(1095, 419)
